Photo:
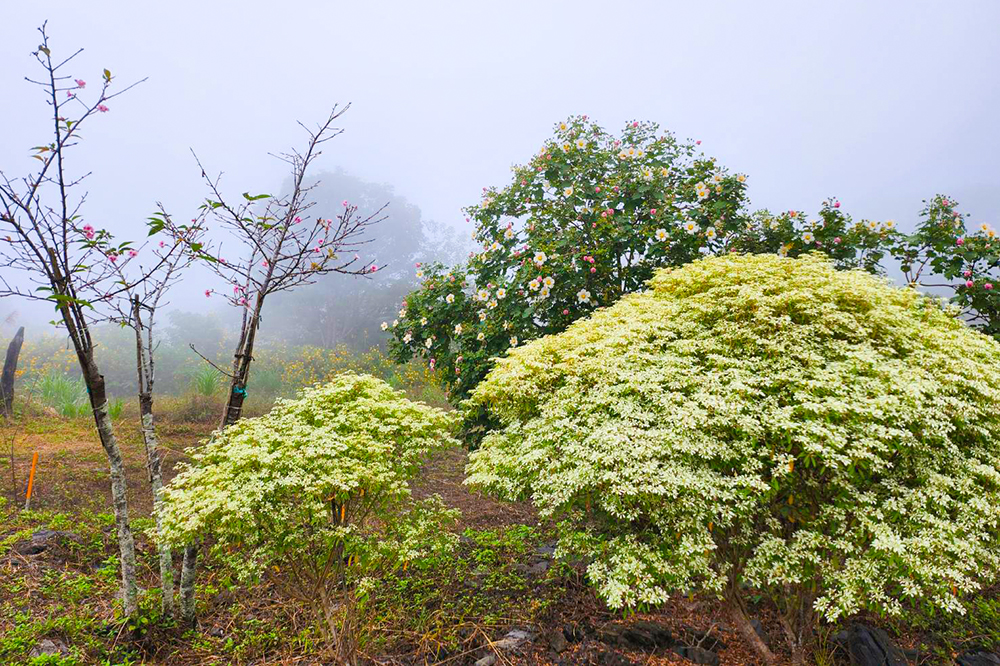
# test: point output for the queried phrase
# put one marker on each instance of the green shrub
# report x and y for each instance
(755, 420)
(314, 495)
(205, 381)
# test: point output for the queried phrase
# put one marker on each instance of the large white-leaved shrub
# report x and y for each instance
(315, 494)
(821, 436)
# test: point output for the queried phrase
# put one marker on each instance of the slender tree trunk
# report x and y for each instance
(156, 483)
(126, 544)
(189, 568)
(9, 370)
(241, 368)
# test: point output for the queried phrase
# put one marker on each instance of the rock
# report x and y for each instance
(977, 658)
(698, 655)
(556, 640)
(702, 639)
(43, 539)
(488, 660)
(870, 646)
(660, 634)
(545, 551)
(49, 646)
(539, 568)
(513, 639)
(760, 631)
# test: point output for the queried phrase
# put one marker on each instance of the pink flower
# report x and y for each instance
(88, 231)
(988, 286)
(112, 258)
(597, 189)
(69, 93)
(960, 241)
(133, 253)
(967, 273)
(836, 240)
(80, 83)
(565, 312)
(162, 244)
(374, 268)
(433, 362)
(652, 211)
(698, 142)
(593, 269)
(102, 108)
(208, 292)
(836, 204)
(969, 284)
(635, 123)
(297, 219)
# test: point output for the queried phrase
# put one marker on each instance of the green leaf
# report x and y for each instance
(107, 75)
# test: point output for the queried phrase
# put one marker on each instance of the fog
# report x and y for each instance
(880, 104)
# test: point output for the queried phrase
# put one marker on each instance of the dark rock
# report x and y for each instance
(545, 551)
(660, 634)
(977, 658)
(870, 646)
(702, 639)
(44, 539)
(49, 646)
(698, 655)
(539, 568)
(556, 640)
(760, 631)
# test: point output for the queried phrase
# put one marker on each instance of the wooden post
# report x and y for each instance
(31, 481)
(9, 370)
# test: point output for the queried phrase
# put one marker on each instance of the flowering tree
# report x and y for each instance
(944, 254)
(69, 262)
(756, 421)
(314, 496)
(280, 249)
(587, 220)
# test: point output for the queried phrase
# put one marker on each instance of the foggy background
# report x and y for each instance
(880, 104)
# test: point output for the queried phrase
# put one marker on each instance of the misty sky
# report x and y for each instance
(881, 104)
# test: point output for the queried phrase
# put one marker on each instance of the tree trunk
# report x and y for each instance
(126, 545)
(241, 368)
(9, 370)
(746, 629)
(189, 568)
(156, 482)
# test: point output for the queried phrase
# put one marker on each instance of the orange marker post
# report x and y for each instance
(31, 481)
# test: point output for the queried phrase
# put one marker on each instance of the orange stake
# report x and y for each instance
(31, 480)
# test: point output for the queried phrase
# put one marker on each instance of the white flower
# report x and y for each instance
(691, 227)
(385, 326)
(482, 315)
(661, 234)
(583, 296)
(492, 304)
(741, 178)
(407, 337)
(429, 342)
(540, 258)
(482, 295)
(423, 321)
(402, 313)
(873, 225)
(458, 329)
(567, 146)
(450, 298)
(807, 237)
(702, 190)
(495, 246)
(710, 233)
(623, 155)
(481, 336)
(508, 234)
(501, 292)
(513, 341)
(664, 171)
(548, 282)
(632, 152)
(717, 178)
(534, 284)
(581, 143)
(563, 127)
(395, 322)
(420, 274)
(544, 292)
(647, 174)
(568, 192)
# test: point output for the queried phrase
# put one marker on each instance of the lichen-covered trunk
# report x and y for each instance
(156, 483)
(189, 568)
(241, 369)
(126, 545)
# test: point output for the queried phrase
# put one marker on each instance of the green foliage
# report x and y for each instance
(315, 493)
(588, 219)
(67, 396)
(816, 434)
(206, 381)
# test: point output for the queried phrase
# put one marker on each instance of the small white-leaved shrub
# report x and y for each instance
(818, 435)
(315, 496)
